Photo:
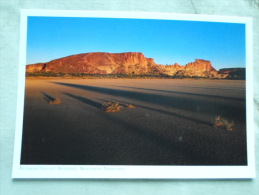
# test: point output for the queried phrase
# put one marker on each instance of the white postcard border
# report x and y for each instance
(131, 172)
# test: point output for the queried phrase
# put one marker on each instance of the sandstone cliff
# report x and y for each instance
(199, 68)
(35, 67)
(124, 63)
(97, 63)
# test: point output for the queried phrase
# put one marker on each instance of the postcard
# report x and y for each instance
(134, 95)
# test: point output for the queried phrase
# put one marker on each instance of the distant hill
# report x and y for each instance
(129, 63)
(234, 73)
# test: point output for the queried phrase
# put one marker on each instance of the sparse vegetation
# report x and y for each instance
(111, 76)
(223, 123)
(229, 125)
(44, 74)
(55, 101)
(115, 106)
(94, 76)
(112, 107)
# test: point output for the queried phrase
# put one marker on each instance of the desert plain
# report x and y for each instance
(172, 122)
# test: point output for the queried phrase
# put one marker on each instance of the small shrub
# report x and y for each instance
(55, 101)
(111, 107)
(218, 121)
(229, 125)
(224, 123)
(115, 106)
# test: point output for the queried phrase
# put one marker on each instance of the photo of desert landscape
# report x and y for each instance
(118, 91)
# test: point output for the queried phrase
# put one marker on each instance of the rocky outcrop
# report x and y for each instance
(35, 67)
(201, 65)
(98, 63)
(233, 73)
(128, 63)
(199, 68)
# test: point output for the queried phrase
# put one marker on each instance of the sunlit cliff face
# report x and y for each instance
(124, 63)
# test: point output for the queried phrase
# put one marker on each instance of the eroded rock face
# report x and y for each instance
(199, 68)
(126, 63)
(98, 63)
(201, 65)
(35, 67)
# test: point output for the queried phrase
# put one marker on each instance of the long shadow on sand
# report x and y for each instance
(57, 140)
(186, 93)
(85, 100)
(166, 112)
(47, 97)
(163, 142)
(187, 102)
(215, 88)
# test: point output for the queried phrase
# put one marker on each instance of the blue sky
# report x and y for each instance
(167, 41)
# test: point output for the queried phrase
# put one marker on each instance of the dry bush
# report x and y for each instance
(55, 101)
(115, 106)
(229, 125)
(129, 106)
(218, 121)
(224, 123)
(111, 107)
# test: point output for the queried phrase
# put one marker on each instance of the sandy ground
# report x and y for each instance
(172, 123)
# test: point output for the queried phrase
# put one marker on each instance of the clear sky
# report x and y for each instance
(167, 41)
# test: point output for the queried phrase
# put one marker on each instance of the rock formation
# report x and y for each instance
(97, 63)
(35, 67)
(125, 63)
(233, 73)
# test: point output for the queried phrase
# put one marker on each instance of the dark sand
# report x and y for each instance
(172, 123)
